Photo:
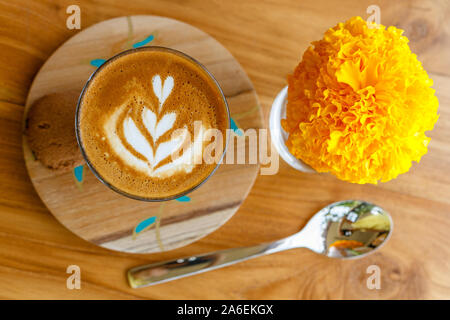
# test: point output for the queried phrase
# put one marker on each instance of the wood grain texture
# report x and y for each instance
(268, 39)
(101, 216)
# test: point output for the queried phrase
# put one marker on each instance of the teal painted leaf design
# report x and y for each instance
(78, 173)
(235, 128)
(183, 199)
(144, 42)
(144, 224)
(97, 62)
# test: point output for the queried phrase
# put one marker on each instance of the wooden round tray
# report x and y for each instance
(96, 213)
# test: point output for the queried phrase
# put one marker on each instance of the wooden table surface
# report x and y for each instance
(268, 38)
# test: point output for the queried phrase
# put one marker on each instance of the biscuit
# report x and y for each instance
(50, 130)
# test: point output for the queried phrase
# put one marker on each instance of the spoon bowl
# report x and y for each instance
(347, 229)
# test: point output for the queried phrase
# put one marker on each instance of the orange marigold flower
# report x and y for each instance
(359, 104)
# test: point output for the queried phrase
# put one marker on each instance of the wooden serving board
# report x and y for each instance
(96, 213)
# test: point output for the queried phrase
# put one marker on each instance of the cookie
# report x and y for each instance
(50, 130)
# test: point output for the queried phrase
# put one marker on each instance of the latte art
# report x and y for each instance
(162, 91)
(139, 119)
(153, 150)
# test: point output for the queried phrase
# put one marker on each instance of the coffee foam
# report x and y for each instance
(138, 112)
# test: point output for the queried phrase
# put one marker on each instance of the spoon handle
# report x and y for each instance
(146, 275)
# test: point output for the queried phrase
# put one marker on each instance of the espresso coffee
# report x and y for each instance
(140, 110)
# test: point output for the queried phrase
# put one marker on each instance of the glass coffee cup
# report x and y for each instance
(141, 107)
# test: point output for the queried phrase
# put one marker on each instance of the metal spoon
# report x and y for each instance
(346, 229)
